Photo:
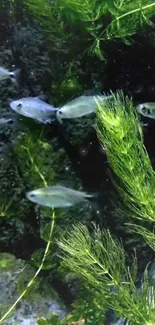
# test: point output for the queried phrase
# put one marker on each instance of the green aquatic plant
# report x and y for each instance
(99, 261)
(36, 170)
(33, 279)
(46, 13)
(120, 132)
(148, 236)
(89, 306)
(32, 152)
(98, 21)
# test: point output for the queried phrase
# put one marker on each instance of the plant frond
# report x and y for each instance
(149, 236)
(84, 250)
(119, 131)
(98, 260)
(46, 13)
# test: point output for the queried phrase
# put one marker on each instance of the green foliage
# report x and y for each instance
(46, 13)
(99, 261)
(148, 236)
(32, 282)
(6, 261)
(119, 131)
(98, 21)
(33, 154)
(127, 17)
(11, 188)
(54, 320)
(90, 307)
(23, 280)
(35, 161)
(37, 257)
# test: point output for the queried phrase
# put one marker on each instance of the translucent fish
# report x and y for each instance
(35, 108)
(4, 121)
(12, 75)
(57, 196)
(78, 107)
(147, 109)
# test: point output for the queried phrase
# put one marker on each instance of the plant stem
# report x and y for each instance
(47, 246)
(127, 14)
(35, 166)
(37, 272)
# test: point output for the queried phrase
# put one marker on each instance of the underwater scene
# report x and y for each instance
(77, 162)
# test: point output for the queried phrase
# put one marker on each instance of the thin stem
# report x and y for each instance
(36, 274)
(35, 166)
(127, 14)
(47, 246)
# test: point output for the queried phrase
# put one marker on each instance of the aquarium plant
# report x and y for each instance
(94, 257)
(105, 271)
(120, 132)
(97, 21)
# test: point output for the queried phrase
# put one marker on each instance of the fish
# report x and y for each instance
(12, 75)
(78, 107)
(147, 109)
(57, 196)
(4, 121)
(35, 108)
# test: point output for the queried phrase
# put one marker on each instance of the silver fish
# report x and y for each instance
(147, 109)
(4, 121)
(12, 75)
(57, 196)
(78, 107)
(35, 108)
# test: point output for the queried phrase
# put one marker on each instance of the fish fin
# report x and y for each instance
(144, 124)
(45, 121)
(42, 97)
(89, 196)
(14, 76)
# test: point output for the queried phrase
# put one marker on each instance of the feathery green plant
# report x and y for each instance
(99, 260)
(119, 131)
(148, 236)
(46, 13)
(98, 20)
(90, 306)
(39, 173)
(32, 151)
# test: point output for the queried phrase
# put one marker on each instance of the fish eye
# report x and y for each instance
(32, 195)
(12, 75)
(19, 105)
(146, 110)
(60, 112)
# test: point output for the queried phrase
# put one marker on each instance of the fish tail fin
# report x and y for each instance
(91, 196)
(14, 76)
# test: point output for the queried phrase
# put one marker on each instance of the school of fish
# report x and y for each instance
(36, 108)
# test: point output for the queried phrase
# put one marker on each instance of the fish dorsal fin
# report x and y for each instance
(42, 97)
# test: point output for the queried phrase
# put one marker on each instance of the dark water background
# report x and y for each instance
(130, 68)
